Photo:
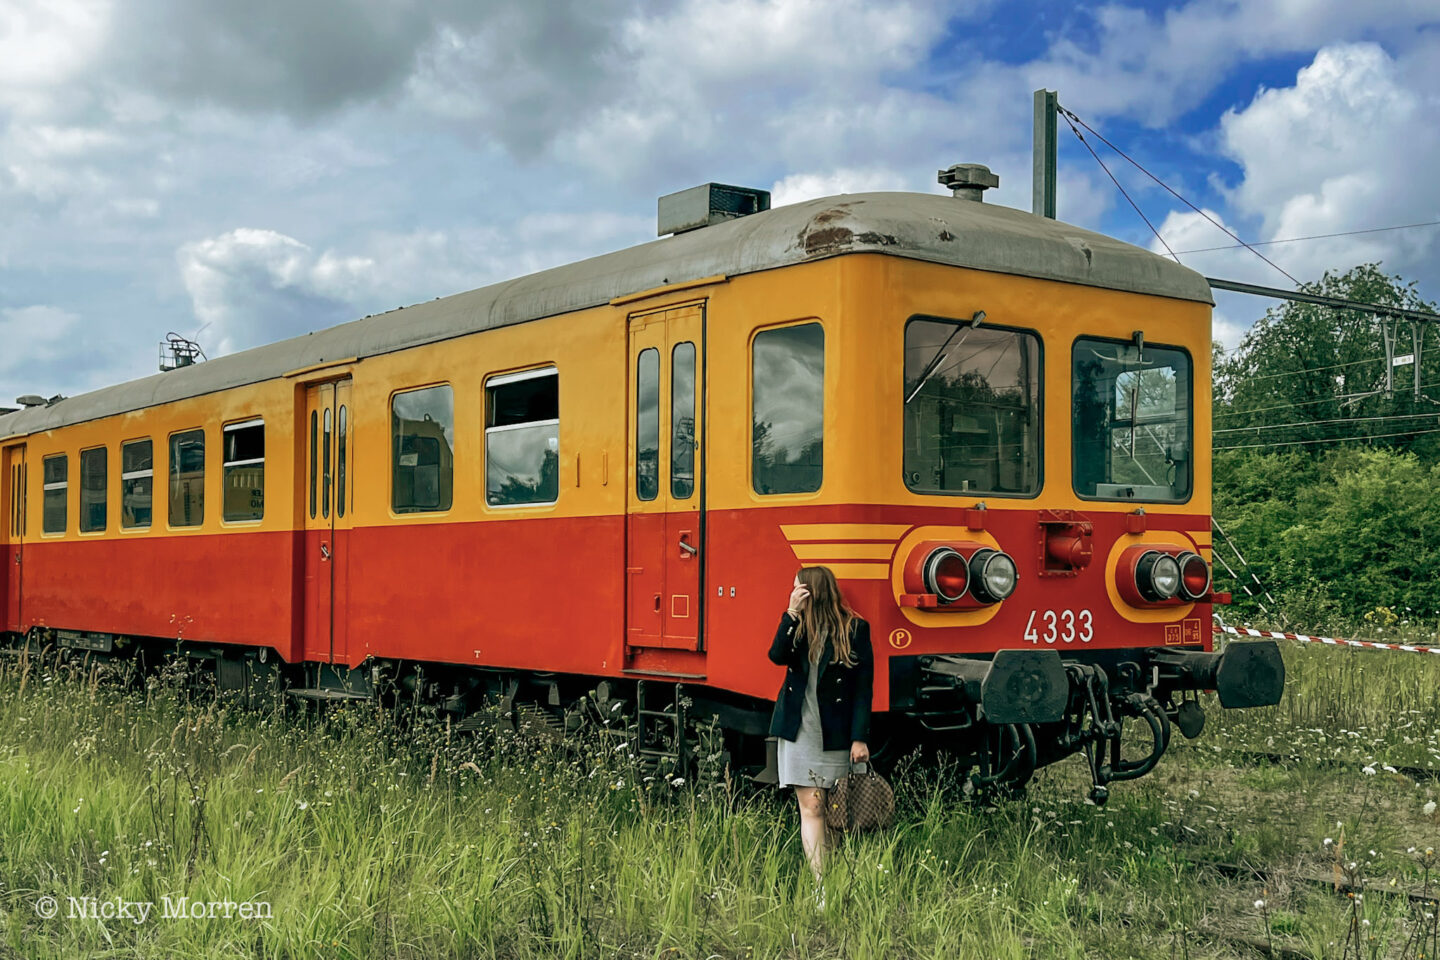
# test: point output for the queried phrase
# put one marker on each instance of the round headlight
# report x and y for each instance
(992, 575)
(946, 573)
(1194, 576)
(1157, 576)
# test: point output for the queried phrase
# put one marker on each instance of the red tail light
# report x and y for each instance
(946, 574)
(1194, 576)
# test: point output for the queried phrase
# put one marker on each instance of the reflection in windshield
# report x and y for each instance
(972, 397)
(787, 426)
(1132, 421)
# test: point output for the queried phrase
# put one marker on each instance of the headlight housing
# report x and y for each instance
(992, 575)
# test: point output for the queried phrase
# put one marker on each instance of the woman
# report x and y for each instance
(822, 713)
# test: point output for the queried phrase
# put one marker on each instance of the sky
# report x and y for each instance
(244, 172)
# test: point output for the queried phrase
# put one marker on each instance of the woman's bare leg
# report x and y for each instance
(812, 825)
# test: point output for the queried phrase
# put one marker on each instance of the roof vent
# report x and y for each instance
(707, 205)
(31, 400)
(967, 181)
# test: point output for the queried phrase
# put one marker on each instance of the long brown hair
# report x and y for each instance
(825, 614)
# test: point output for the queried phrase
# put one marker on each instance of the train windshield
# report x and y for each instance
(1134, 420)
(972, 409)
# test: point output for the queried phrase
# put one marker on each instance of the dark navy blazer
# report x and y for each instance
(843, 692)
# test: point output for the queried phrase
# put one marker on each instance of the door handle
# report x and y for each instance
(688, 550)
(657, 603)
(324, 551)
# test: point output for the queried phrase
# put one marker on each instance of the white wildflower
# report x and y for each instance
(1259, 904)
(1428, 809)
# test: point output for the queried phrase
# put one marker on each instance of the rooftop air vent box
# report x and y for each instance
(707, 205)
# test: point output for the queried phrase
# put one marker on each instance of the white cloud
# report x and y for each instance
(807, 186)
(44, 46)
(34, 335)
(1352, 145)
(251, 286)
(1156, 67)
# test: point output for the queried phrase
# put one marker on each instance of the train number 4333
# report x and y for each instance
(1063, 626)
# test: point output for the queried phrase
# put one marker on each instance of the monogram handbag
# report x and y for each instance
(862, 800)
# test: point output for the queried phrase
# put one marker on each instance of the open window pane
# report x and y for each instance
(340, 430)
(187, 478)
(244, 471)
(682, 421)
(972, 409)
(326, 477)
(1133, 421)
(137, 477)
(522, 438)
(787, 441)
(55, 478)
(422, 431)
(93, 470)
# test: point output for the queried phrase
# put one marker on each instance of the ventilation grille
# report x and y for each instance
(707, 205)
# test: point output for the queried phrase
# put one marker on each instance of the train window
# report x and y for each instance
(243, 471)
(1133, 419)
(17, 500)
(422, 435)
(647, 424)
(137, 478)
(972, 409)
(522, 437)
(682, 421)
(93, 470)
(55, 482)
(325, 474)
(787, 444)
(314, 447)
(187, 478)
(340, 428)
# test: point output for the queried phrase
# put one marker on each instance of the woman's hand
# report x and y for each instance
(798, 598)
(859, 752)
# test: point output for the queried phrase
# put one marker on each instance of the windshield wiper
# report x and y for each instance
(939, 356)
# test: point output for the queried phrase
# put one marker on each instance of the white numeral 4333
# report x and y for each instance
(1066, 626)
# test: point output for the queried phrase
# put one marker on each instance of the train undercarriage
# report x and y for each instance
(1000, 716)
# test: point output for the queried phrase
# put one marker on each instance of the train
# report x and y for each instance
(594, 484)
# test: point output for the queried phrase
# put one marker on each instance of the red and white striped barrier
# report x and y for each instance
(1332, 641)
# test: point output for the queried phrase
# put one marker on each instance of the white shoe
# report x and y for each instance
(819, 897)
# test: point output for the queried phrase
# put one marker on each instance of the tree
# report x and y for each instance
(1308, 377)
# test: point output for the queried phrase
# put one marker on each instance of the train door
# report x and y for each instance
(12, 497)
(665, 528)
(327, 507)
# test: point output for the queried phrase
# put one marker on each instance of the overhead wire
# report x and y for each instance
(1135, 206)
(1317, 236)
(1070, 116)
(1301, 443)
(1333, 366)
(1302, 403)
(1321, 423)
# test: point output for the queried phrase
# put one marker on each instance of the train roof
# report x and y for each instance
(929, 227)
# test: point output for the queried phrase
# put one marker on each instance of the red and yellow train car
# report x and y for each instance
(993, 427)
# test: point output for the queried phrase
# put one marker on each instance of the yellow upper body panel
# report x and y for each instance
(862, 302)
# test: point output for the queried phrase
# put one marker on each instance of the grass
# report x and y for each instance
(374, 835)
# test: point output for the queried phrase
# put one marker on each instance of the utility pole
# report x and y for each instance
(1042, 191)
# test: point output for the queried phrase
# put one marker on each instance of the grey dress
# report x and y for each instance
(804, 761)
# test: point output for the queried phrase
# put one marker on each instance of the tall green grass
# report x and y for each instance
(373, 834)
